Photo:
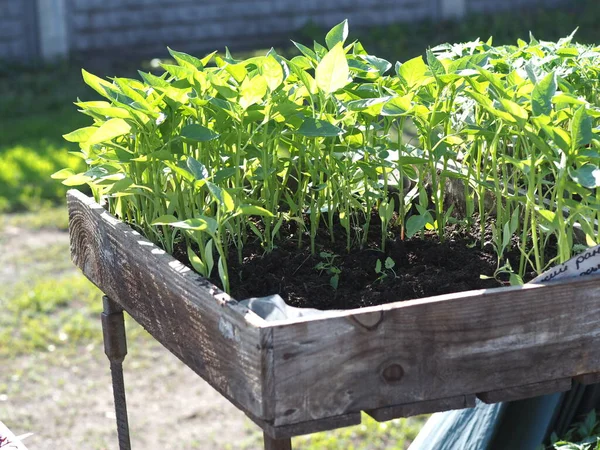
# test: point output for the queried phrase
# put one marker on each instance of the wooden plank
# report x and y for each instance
(223, 342)
(588, 378)
(440, 347)
(426, 407)
(313, 426)
(276, 444)
(527, 391)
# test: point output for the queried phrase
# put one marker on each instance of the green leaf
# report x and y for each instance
(515, 279)
(412, 72)
(224, 174)
(337, 34)
(319, 49)
(397, 106)
(587, 176)
(223, 272)
(200, 223)
(208, 256)
(541, 96)
(228, 201)
(319, 128)
(237, 71)
(166, 219)
(253, 210)
(414, 224)
(435, 65)
(154, 81)
(196, 168)
(334, 281)
(197, 263)
(103, 110)
(581, 129)
(76, 180)
(380, 64)
(96, 83)
(252, 91)
(515, 110)
(207, 58)
(109, 130)
(378, 266)
(567, 51)
(272, 71)
(389, 263)
(179, 72)
(306, 51)
(62, 174)
(197, 133)
(185, 60)
(80, 135)
(569, 99)
(333, 72)
(362, 104)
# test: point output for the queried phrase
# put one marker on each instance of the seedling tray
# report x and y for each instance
(315, 373)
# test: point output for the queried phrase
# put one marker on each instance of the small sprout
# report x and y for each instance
(328, 265)
(386, 269)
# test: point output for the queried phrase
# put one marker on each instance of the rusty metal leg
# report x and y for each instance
(115, 347)
(276, 444)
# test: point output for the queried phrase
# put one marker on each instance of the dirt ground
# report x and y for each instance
(64, 396)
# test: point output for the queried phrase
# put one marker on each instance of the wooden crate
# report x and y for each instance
(310, 374)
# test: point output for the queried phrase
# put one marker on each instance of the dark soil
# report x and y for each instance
(424, 267)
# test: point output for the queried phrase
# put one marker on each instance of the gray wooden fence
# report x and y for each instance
(33, 30)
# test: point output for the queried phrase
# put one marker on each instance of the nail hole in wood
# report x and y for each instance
(392, 373)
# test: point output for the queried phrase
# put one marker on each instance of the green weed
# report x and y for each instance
(396, 434)
(49, 313)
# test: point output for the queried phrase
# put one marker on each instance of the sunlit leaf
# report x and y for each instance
(109, 130)
(80, 135)
(581, 129)
(587, 175)
(333, 72)
(541, 96)
(337, 34)
(253, 210)
(412, 71)
(252, 91)
(185, 60)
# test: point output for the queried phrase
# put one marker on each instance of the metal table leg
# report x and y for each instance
(115, 347)
(277, 444)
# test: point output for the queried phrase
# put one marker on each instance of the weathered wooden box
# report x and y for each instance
(301, 376)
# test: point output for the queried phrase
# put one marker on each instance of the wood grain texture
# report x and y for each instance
(441, 347)
(276, 444)
(312, 374)
(426, 407)
(527, 391)
(313, 426)
(223, 342)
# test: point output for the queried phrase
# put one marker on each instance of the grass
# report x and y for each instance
(52, 217)
(48, 314)
(396, 434)
(35, 111)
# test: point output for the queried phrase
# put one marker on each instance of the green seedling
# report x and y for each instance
(234, 149)
(385, 270)
(328, 265)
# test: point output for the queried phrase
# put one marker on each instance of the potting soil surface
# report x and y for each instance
(423, 266)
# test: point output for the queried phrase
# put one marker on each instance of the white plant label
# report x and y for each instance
(586, 263)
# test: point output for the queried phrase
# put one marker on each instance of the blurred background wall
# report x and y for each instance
(36, 30)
